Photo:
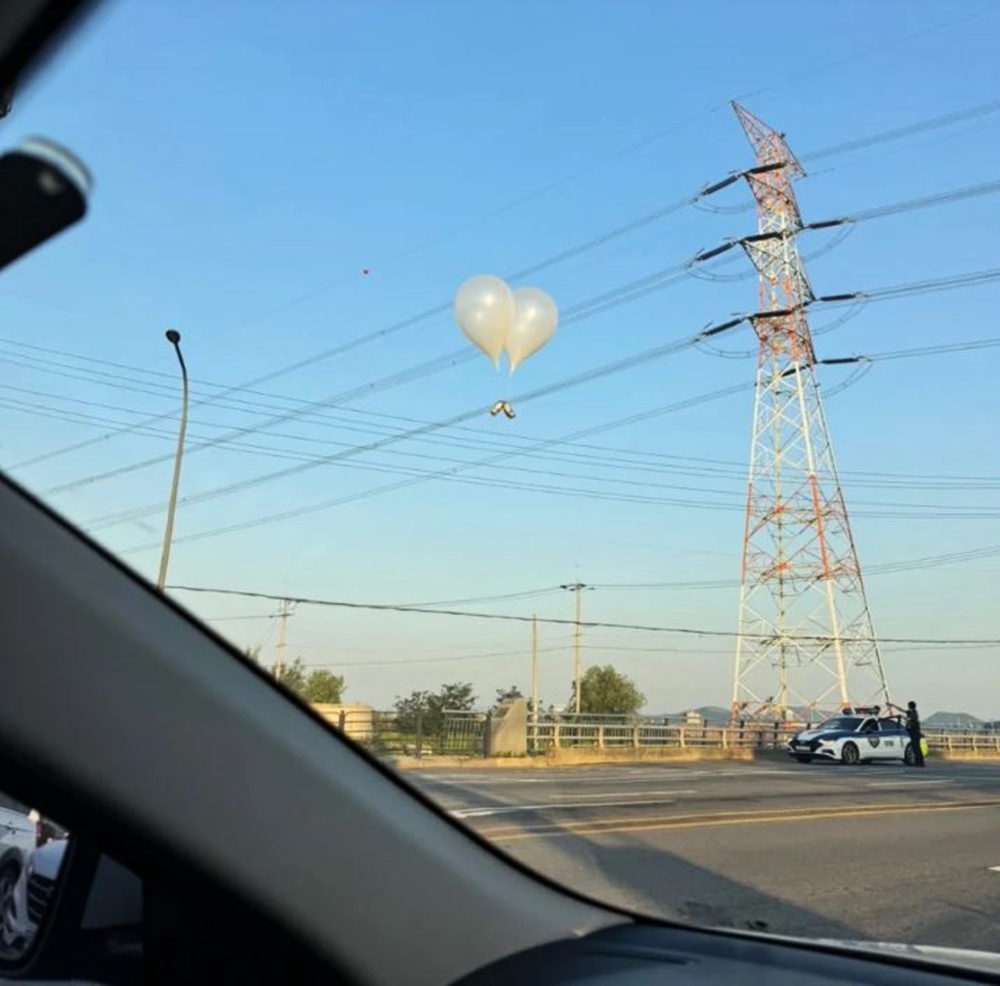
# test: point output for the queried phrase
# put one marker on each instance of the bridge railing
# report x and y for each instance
(463, 734)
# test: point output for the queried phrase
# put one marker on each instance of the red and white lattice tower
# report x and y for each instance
(806, 637)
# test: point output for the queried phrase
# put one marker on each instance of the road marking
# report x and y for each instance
(513, 809)
(625, 794)
(890, 783)
(995, 869)
(625, 825)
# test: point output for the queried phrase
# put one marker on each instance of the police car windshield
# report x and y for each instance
(842, 722)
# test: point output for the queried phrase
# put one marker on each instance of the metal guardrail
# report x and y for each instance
(416, 734)
(557, 735)
(952, 742)
(466, 734)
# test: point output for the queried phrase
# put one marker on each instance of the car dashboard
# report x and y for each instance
(633, 955)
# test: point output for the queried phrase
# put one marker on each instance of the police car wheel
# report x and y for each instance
(850, 755)
(9, 873)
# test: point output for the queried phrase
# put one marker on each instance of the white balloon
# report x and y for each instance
(535, 319)
(484, 310)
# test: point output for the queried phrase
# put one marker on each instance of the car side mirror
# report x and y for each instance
(43, 191)
(74, 914)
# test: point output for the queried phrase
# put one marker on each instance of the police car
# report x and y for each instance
(856, 736)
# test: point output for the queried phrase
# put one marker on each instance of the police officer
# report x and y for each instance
(916, 736)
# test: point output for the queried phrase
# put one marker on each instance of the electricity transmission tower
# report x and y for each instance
(806, 637)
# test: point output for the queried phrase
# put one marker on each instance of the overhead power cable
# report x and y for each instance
(642, 460)
(592, 624)
(420, 371)
(575, 313)
(569, 253)
(441, 474)
(899, 133)
(582, 378)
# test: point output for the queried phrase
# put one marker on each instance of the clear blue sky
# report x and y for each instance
(251, 159)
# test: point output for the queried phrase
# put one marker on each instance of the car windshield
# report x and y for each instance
(840, 724)
(572, 403)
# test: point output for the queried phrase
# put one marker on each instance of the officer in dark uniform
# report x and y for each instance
(916, 736)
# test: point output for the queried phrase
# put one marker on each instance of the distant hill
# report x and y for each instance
(952, 720)
(713, 714)
(716, 715)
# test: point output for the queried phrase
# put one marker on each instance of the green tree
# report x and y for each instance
(318, 685)
(506, 695)
(322, 685)
(293, 676)
(427, 709)
(605, 691)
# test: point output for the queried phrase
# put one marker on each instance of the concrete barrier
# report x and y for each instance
(966, 756)
(584, 757)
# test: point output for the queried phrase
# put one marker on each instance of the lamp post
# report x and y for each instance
(174, 338)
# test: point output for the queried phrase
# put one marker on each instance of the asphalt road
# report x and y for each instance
(880, 852)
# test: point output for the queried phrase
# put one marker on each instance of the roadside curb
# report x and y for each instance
(587, 758)
(595, 758)
(965, 756)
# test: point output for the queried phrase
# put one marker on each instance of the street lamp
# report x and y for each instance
(174, 338)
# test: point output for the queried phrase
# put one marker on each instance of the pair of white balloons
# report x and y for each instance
(497, 319)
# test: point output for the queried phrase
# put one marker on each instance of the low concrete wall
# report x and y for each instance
(966, 756)
(583, 757)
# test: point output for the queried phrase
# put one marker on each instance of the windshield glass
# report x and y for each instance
(572, 402)
(842, 723)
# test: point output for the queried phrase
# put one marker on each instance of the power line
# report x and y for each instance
(594, 306)
(607, 454)
(853, 299)
(326, 504)
(629, 459)
(383, 333)
(514, 618)
(596, 494)
(607, 369)
(909, 130)
(408, 375)
(887, 568)
(450, 473)
(442, 308)
(952, 510)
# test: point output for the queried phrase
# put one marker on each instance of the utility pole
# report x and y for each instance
(534, 670)
(578, 588)
(283, 614)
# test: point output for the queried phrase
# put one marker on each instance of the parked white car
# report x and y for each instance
(26, 903)
(853, 739)
(18, 838)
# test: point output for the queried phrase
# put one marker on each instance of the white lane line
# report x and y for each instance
(620, 794)
(995, 869)
(891, 783)
(513, 809)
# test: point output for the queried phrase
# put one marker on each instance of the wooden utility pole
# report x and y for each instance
(534, 669)
(283, 614)
(578, 588)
